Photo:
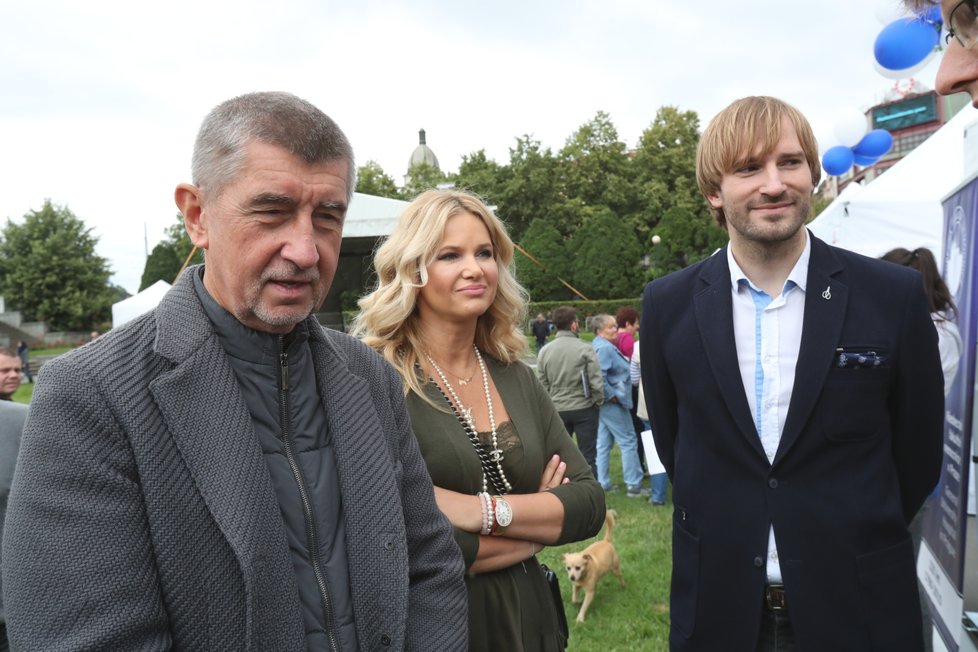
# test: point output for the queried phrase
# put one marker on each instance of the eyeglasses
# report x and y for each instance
(962, 24)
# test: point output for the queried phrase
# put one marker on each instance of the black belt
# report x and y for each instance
(774, 597)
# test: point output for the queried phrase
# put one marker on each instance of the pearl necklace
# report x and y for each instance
(496, 455)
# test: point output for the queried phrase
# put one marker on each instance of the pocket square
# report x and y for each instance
(858, 359)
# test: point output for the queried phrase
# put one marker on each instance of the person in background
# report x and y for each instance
(448, 313)
(224, 473)
(12, 416)
(23, 352)
(628, 324)
(940, 303)
(615, 423)
(571, 374)
(659, 481)
(9, 373)
(795, 393)
(541, 331)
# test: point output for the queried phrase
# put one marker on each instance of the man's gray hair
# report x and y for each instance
(280, 119)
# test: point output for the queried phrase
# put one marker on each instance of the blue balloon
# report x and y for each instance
(905, 42)
(865, 161)
(838, 160)
(874, 144)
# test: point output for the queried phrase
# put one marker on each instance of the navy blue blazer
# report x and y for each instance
(860, 451)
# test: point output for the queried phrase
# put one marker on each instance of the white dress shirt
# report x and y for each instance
(767, 332)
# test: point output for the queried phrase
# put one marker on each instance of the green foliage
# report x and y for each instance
(546, 245)
(421, 177)
(529, 191)
(685, 238)
(606, 257)
(167, 257)
(595, 167)
(372, 180)
(482, 176)
(50, 272)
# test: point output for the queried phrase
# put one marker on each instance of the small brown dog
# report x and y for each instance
(586, 568)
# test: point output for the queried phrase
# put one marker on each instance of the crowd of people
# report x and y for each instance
(224, 473)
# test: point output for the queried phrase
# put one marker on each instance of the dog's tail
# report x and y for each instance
(609, 524)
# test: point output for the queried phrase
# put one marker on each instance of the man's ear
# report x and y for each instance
(715, 201)
(190, 203)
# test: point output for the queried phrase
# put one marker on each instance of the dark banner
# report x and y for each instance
(940, 564)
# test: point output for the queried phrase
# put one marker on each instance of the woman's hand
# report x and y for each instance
(553, 474)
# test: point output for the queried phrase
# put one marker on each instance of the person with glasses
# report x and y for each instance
(958, 72)
(795, 394)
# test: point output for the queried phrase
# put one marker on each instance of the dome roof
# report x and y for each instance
(423, 154)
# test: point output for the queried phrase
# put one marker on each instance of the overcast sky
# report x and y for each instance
(100, 100)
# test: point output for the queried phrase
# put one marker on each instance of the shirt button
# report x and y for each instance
(385, 640)
(758, 562)
(772, 483)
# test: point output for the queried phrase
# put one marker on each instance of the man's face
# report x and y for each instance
(959, 67)
(9, 375)
(272, 236)
(767, 200)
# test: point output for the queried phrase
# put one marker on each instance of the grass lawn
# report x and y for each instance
(634, 618)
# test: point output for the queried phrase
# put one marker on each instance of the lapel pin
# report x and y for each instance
(828, 293)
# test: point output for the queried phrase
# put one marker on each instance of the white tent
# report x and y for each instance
(137, 304)
(901, 207)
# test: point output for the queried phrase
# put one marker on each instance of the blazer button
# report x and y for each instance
(758, 562)
(385, 640)
(772, 483)
(388, 545)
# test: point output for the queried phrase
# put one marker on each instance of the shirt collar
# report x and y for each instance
(798, 276)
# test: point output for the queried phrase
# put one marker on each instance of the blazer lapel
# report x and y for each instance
(205, 414)
(713, 306)
(826, 298)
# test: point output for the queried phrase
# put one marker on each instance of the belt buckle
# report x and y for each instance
(774, 597)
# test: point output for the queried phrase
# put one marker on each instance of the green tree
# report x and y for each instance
(529, 189)
(606, 257)
(595, 167)
(167, 257)
(546, 245)
(50, 272)
(685, 238)
(372, 180)
(479, 174)
(421, 177)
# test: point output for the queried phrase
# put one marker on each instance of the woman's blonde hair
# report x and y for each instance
(388, 319)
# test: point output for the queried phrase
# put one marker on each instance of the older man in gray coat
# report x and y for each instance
(223, 473)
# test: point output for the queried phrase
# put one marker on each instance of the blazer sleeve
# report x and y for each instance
(78, 566)
(660, 393)
(437, 602)
(917, 408)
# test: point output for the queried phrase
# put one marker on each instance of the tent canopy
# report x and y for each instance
(134, 306)
(901, 207)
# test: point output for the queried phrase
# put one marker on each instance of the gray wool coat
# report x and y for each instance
(142, 516)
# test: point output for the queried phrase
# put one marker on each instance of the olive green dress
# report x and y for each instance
(510, 609)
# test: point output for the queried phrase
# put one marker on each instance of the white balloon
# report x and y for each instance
(889, 10)
(904, 73)
(850, 127)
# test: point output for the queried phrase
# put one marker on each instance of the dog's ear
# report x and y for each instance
(587, 556)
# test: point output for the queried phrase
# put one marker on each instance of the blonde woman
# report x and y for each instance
(446, 313)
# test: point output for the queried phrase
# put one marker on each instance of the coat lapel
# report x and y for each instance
(205, 413)
(826, 298)
(713, 306)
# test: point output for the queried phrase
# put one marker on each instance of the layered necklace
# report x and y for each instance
(492, 459)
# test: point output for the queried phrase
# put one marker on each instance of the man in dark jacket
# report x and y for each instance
(796, 398)
(222, 473)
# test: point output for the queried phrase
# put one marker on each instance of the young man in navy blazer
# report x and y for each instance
(796, 398)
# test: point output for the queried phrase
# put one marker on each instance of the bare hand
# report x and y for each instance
(553, 474)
